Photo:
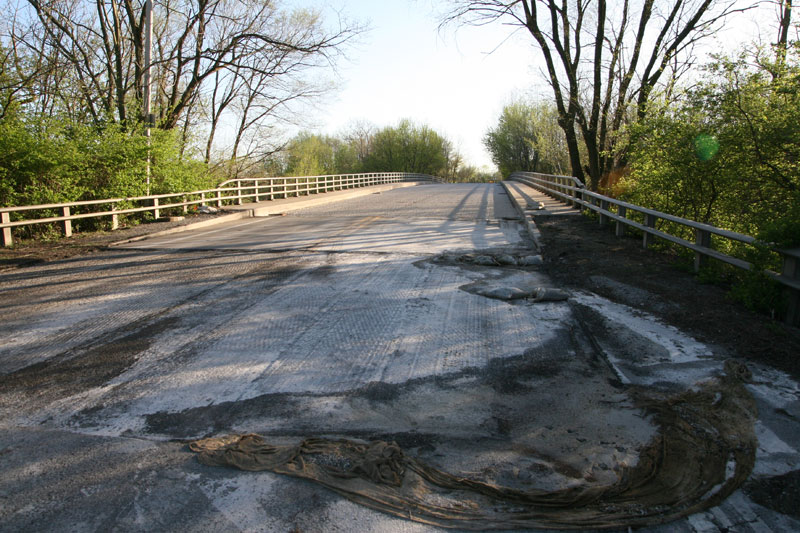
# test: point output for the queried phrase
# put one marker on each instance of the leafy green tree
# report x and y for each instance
(727, 154)
(38, 163)
(408, 148)
(315, 155)
(512, 144)
(527, 138)
(49, 160)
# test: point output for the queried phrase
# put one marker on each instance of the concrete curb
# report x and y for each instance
(519, 205)
(274, 207)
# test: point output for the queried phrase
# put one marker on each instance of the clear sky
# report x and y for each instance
(455, 80)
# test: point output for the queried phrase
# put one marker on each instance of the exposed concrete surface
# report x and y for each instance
(342, 320)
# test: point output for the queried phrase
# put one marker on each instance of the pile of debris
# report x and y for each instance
(703, 451)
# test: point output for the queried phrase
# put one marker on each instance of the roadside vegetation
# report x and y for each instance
(717, 144)
(639, 120)
(72, 93)
(726, 152)
(723, 151)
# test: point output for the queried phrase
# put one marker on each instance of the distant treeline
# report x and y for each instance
(407, 147)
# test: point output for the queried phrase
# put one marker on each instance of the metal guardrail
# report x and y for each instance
(234, 191)
(571, 191)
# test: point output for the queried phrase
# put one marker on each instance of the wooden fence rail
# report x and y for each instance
(571, 191)
(234, 191)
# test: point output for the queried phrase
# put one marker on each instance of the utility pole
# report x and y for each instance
(148, 52)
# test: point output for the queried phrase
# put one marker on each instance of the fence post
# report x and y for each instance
(185, 207)
(650, 222)
(791, 269)
(7, 240)
(623, 212)
(219, 198)
(603, 218)
(67, 223)
(701, 238)
(238, 192)
(202, 198)
(114, 218)
(156, 211)
(568, 193)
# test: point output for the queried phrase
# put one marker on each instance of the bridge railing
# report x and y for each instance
(571, 191)
(230, 192)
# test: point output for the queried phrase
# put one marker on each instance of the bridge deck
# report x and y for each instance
(371, 318)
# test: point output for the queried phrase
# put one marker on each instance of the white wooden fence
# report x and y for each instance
(234, 191)
(571, 191)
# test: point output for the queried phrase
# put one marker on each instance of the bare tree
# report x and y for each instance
(603, 60)
(208, 56)
(224, 92)
(784, 23)
(359, 134)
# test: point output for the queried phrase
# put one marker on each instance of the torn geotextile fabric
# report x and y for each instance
(704, 449)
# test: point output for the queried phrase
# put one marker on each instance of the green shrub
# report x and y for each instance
(48, 160)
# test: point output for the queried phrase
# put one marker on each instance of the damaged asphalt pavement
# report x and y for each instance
(417, 316)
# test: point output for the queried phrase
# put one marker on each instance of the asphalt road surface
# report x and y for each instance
(364, 319)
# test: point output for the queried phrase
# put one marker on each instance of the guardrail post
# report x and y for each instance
(791, 270)
(156, 212)
(219, 198)
(67, 223)
(238, 192)
(114, 218)
(603, 218)
(202, 198)
(185, 207)
(5, 218)
(650, 222)
(701, 238)
(623, 212)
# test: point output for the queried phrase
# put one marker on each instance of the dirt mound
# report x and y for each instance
(703, 451)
